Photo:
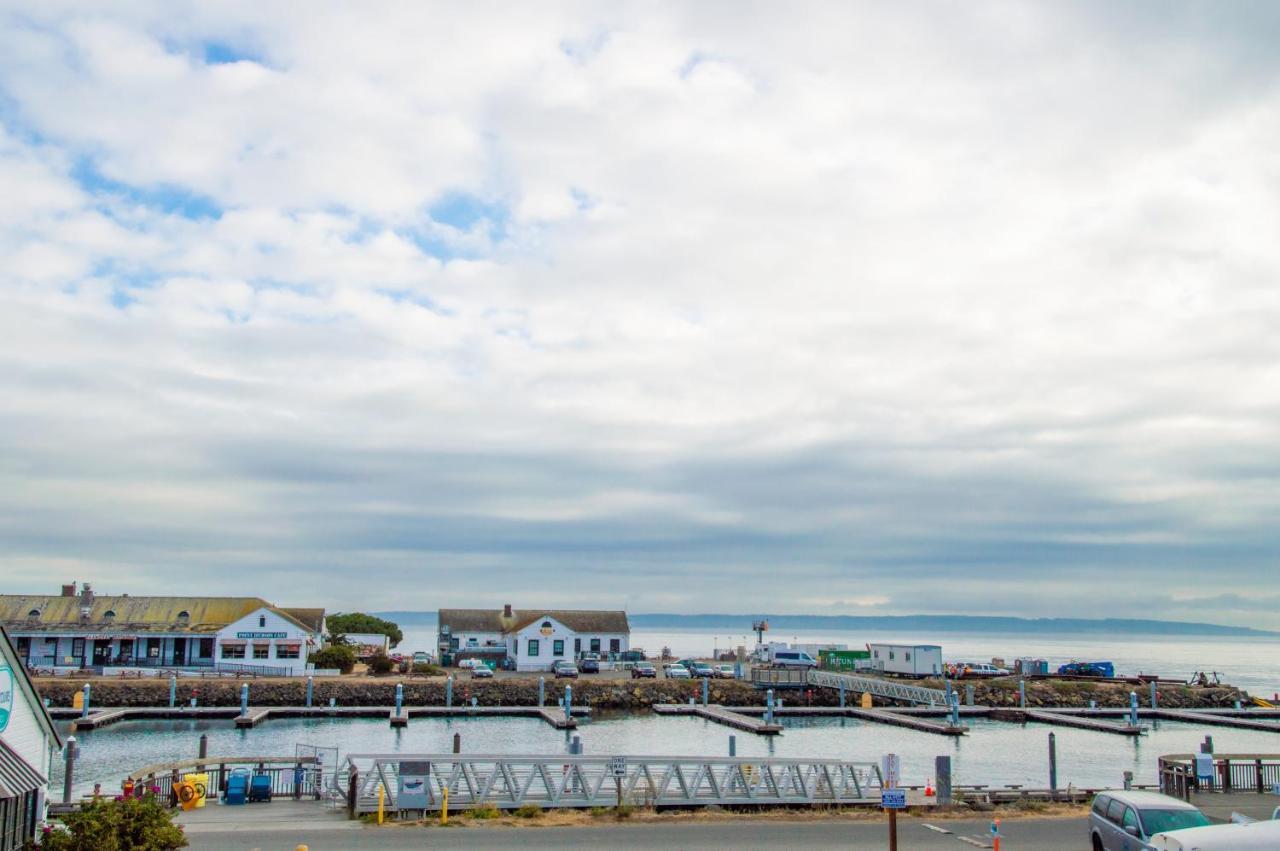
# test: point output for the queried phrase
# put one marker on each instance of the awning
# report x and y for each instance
(17, 777)
(293, 642)
(234, 642)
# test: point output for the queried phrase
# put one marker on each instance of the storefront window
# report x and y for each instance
(557, 647)
(533, 647)
(262, 651)
(615, 644)
(233, 651)
(595, 645)
(288, 651)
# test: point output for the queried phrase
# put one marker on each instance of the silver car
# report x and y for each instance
(1123, 820)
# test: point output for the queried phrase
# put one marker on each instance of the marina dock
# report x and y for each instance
(721, 715)
(1064, 719)
(553, 715)
(252, 716)
(1214, 719)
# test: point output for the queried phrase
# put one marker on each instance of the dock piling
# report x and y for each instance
(244, 698)
(399, 698)
(968, 695)
(448, 691)
(542, 691)
(202, 750)
(310, 690)
(1022, 693)
(955, 710)
(1155, 698)
(842, 694)
(768, 704)
(1133, 709)
(568, 704)
(457, 743)
(173, 691)
(1053, 765)
(706, 692)
(70, 750)
(733, 745)
(84, 707)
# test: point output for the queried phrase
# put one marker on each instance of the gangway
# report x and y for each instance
(511, 781)
(892, 689)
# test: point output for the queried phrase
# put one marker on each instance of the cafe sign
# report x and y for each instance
(262, 635)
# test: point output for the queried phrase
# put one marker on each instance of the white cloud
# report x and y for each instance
(848, 295)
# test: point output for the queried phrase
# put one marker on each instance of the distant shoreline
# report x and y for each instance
(932, 623)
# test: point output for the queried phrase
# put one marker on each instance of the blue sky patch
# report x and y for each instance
(167, 198)
(221, 53)
(464, 212)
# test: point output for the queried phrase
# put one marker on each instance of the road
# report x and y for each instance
(1020, 835)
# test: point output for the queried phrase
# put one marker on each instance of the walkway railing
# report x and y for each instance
(296, 777)
(1232, 772)
(799, 678)
(548, 780)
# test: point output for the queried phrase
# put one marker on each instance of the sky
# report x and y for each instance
(831, 308)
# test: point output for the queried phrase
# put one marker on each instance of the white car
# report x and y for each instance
(678, 672)
(982, 669)
(1122, 820)
(468, 664)
(1220, 837)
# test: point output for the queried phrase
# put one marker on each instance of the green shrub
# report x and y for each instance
(624, 811)
(528, 811)
(131, 824)
(596, 812)
(334, 656)
(484, 811)
(380, 663)
(426, 669)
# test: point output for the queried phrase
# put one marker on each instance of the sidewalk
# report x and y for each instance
(279, 815)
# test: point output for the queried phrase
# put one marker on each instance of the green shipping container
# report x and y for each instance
(841, 660)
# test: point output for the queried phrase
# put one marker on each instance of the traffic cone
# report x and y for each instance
(928, 788)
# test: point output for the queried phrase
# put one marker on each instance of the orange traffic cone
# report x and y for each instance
(928, 788)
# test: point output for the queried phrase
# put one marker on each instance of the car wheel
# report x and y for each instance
(1097, 843)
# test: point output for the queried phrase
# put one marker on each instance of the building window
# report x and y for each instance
(595, 645)
(262, 651)
(533, 647)
(577, 645)
(262, 621)
(77, 647)
(615, 644)
(287, 651)
(557, 647)
(891, 656)
(33, 614)
(233, 651)
(153, 648)
(204, 650)
(184, 617)
(109, 615)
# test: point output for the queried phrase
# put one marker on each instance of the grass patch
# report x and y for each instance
(484, 811)
(624, 811)
(597, 812)
(528, 811)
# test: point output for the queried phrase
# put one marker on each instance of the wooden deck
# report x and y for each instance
(1201, 717)
(252, 716)
(1063, 719)
(721, 715)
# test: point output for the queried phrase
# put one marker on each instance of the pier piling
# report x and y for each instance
(768, 703)
(310, 690)
(173, 691)
(733, 745)
(70, 750)
(568, 704)
(244, 698)
(706, 692)
(968, 695)
(542, 691)
(202, 750)
(1053, 765)
(1133, 709)
(84, 707)
(457, 743)
(448, 691)
(1155, 698)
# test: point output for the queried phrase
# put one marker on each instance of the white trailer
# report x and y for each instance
(907, 660)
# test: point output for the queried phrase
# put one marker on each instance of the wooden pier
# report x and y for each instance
(252, 716)
(1063, 719)
(399, 719)
(896, 717)
(553, 715)
(721, 715)
(1213, 719)
(98, 718)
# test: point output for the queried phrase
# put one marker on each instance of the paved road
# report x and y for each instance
(1020, 835)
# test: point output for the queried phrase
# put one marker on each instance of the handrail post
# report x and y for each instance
(352, 787)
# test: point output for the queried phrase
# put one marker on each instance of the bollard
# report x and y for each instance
(457, 743)
(448, 691)
(382, 794)
(1128, 780)
(542, 691)
(399, 698)
(568, 703)
(84, 708)
(203, 750)
(1154, 697)
(173, 692)
(1133, 708)
(310, 689)
(968, 695)
(71, 751)
(768, 706)
(706, 691)
(942, 775)
(444, 807)
(1053, 766)
(1022, 693)
(733, 745)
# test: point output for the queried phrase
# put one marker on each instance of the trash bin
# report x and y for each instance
(195, 786)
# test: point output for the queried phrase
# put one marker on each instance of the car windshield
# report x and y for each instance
(1158, 821)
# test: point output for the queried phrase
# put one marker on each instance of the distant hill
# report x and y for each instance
(907, 623)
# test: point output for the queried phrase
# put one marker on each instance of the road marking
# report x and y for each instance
(974, 842)
(935, 828)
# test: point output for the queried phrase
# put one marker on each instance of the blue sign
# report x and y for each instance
(893, 799)
(6, 696)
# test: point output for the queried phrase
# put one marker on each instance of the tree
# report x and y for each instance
(341, 624)
(337, 656)
(126, 824)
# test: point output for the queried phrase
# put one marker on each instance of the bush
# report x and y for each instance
(341, 624)
(130, 824)
(624, 811)
(380, 663)
(334, 656)
(484, 811)
(426, 669)
(528, 811)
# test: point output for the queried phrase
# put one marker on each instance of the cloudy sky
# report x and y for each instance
(835, 308)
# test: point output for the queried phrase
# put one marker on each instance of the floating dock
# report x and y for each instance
(252, 716)
(1063, 719)
(721, 715)
(553, 715)
(1213, 719)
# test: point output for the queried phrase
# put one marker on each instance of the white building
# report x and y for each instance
(908, 660)
(532, 639)
(28, 744)
(84, 630)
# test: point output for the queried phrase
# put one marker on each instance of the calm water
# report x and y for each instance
(1252, 664)
(993, 752)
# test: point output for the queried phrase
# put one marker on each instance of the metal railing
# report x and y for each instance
(799, 678)
(300, 777)
(549, 780)
(1258, 773)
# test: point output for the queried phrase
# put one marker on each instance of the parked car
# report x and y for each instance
(726, 672)
(678, 672)
(1119, 817)
(644, 671)
(980, 669)
(481, 672)
(565, 668)
(702, 669)
(589, 666)
(468, 664)
(422, 658)
(1220, 837)
(793, 659)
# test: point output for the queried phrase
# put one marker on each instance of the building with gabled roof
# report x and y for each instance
(28, 744)
(532, 639)
(86, 630)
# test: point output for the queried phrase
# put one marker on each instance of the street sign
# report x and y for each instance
(617, 766)
(891, 770)
(893, 799)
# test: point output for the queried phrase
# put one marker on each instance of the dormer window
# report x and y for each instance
(184, 617)
(109, 615)
(33, 614)
(262, 621)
